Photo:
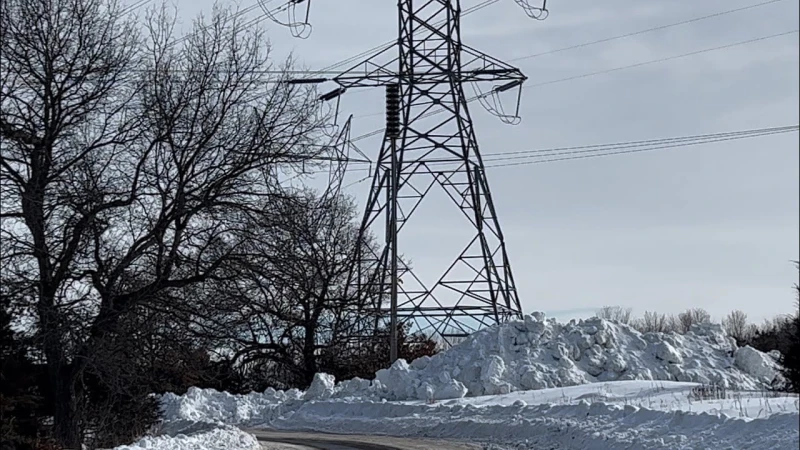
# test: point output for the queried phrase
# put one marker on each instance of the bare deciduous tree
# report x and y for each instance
(652, 322)
(129, 165)
(292, 287)
(674, 324)
(692, 317)
(735, 324)
(615, 313)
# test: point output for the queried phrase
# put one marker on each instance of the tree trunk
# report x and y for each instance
(66, 418)
(309, 356)
(61, 377)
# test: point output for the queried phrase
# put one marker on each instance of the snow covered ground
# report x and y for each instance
(610, 415)
(196, 435)
(530, 384)
(613, 415)
(653, 395)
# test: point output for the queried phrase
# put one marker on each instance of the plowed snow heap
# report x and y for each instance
(535, 353)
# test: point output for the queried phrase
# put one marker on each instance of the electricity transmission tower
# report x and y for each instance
(430, 144)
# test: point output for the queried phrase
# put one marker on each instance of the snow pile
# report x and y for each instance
(528, 354)
(763, 366)
(190, 435)
(209, 405)
(322, 387)
(531, 383)
(535, 353)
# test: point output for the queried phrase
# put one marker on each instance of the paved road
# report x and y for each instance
(289, 440)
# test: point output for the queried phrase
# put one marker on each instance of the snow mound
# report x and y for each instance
(760, 365)
(528, 354)
(321, 387)
(191, 435)
(535, 353)
(209, 405)
(532, 383)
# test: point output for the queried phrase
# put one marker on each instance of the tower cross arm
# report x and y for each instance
(377, 70)
(475, 66)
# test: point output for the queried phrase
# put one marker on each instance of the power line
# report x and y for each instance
(245, 25)
(660, 60)
(653, 148)
(648, 30)
(622, 36)
(134, 7)
(238, 14)
(600, 72)
(526, 157)
(329, 70)
(626, 148)
(524, 154)
(472, 9)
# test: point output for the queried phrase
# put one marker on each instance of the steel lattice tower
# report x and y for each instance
(436, 148)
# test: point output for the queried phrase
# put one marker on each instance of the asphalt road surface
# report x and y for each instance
(289, 440)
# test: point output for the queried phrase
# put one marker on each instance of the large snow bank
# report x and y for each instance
(535, 353)
(191, 435)
(640, 396)
(528, 354)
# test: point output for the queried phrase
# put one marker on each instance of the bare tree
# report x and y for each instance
(292, 287)
(129, 165)
(615, 313)
(735, 324)
(692, 317)
(674, 324)
(652, 322)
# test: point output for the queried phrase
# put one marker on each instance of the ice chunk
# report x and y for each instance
(668, 353)
(755, 363)
(321, 387)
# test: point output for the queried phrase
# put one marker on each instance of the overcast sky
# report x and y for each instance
(712, 226)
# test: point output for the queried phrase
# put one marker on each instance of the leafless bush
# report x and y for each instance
(691, 317)
(615, 313)
(652, 322)
(735, 324)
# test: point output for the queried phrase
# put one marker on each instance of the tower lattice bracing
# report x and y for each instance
(436, 149)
